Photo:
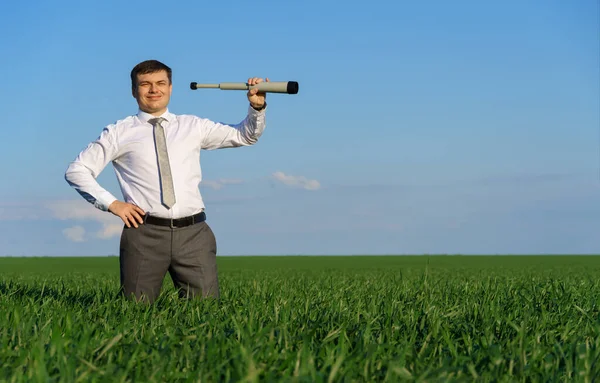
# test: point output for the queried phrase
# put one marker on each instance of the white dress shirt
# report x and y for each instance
(129, 145)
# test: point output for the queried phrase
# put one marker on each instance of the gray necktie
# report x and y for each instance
(166, 181)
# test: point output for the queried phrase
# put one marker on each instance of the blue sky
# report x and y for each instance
(420, 127)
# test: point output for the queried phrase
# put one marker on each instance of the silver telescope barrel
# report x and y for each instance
(289, 87)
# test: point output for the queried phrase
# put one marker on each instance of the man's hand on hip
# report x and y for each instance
(130, 214)
(256, 98)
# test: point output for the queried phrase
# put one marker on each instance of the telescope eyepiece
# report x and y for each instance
(292, 87)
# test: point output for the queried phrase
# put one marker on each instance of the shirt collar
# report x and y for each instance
(144, 117)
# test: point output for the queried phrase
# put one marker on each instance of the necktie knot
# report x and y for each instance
(156, 121)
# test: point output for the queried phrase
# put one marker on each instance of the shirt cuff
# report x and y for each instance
(104, 201)
(254, 112)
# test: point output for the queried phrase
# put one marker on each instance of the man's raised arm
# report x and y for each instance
(218, 135)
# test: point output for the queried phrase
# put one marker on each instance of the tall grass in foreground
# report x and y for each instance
(311, 323)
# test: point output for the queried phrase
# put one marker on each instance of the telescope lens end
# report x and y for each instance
(292, 87)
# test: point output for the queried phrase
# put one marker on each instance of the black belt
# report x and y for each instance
(176, 222)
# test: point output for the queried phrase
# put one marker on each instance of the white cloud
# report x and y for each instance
(81, 210)
(74, 233)
(110, 230)
(219, 184)
(296, 181)
(78, 209)
(14, 211)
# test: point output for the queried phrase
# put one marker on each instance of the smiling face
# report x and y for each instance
(153, 92)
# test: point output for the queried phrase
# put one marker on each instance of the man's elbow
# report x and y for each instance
(252, 139)
(69, 173)
(74, 171)
(244, 139)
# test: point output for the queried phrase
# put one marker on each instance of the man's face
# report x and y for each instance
(153, 92)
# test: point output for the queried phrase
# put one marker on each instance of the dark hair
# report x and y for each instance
(148, 66)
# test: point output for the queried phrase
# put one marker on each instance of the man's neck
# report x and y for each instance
(145, 115)
(156, 114)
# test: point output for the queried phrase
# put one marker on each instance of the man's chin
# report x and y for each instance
(154, 107)
(152, 110)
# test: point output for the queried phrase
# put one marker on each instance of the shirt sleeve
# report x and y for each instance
(82, 172)
(218, 135)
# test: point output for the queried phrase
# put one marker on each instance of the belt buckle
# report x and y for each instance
(171, 220)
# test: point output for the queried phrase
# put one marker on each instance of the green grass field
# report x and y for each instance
(308, 319)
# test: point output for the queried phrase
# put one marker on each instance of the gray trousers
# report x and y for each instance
(188, 253)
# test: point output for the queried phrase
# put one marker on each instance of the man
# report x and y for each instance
(155, 154)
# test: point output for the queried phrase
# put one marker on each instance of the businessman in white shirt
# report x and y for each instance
(156, 157)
